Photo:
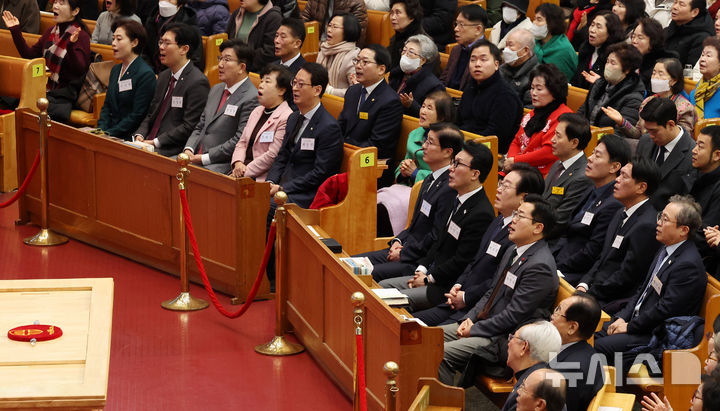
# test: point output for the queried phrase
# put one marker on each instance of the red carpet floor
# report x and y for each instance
(163, 360)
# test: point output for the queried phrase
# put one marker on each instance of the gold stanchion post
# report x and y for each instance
(45, 237)
(358, 301)
(391, 370)
(184, 302)
(279, 345)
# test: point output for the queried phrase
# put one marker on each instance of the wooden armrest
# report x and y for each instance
(99, 101)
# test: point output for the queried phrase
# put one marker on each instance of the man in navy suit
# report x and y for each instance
(524, 288)
(670, 146)
(289, 39)
(629, 243)
(576, 319)
(472, 284)
(453, 241)
(444, 142)
(372, 113)
(581, 243)
(674, 285)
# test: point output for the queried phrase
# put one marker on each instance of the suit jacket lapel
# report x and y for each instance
(308, 132)
(365, 107)
(564, 177)
(675, 156)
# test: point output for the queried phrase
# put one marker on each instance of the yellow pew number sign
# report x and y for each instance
(367, 160)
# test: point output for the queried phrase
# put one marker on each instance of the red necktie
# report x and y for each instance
(163, 109)
(223, 99)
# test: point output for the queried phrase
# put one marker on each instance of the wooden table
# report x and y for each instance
(70, 372)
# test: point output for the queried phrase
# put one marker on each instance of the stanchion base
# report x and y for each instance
(46, 238)
(185, 302)
(278, 346)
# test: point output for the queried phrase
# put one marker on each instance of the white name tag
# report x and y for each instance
(230, 110)
(125, 85)
(493, 249)
(618, 241)
(177, 102)
(656, 285)
(266, 137)
(587, 218)
(307, 144)
(425, 208)
(510, 280)
(454, 230)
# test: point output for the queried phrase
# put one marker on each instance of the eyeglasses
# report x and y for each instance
(363, 62)
(455, 163)
(505, 185)
(334, 26)
(662, 218)
(226, 59)
(165, 43)
(712, 357)
(516, 214)
(298, 84)
(511, 336)
(410, 53)
(557, 312)
(463, 25)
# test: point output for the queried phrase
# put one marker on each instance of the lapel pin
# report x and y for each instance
(570, 175)
(372, 100)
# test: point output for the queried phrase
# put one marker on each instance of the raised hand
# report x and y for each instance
(10, 20)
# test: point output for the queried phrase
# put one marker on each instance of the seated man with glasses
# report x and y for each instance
(674, 285)
(524, 289)
(228, 107)
(470, 26)
(372, 113)
(180, 96)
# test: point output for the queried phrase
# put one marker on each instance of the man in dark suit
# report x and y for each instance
(577, 250)
(674, 285)
(444, 142)
(668, 145)
(706, 190)
(372, 113)
(452, 243)
(629, 242)
(524, 288)
(289, 39)
(566, 183)
(544, 390)
(576, 319)
(228, 107)
(470, 26)
(472, 284)
(180, 95)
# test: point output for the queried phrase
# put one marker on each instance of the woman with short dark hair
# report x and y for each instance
(620, 89)
(255, 23)
(704, 97)
(551, 43)
(532, 143)
(605, 30)
(648, 38)
(115, 10)
(629, 12)
(132, 82)
(406, 19)
(582, 16)
(338, 52)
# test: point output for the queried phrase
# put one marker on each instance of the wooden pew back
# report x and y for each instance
(690, 85)
(311, 46)
(701, 124)
(211, 50)
(534, 3)
(379, 31)
(333, 104)
(7, 47)
(576, 97)
(443, 60)
(462, 3)
(597, 133)
(434, 395)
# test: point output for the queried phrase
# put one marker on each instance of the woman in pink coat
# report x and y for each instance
(265, 129)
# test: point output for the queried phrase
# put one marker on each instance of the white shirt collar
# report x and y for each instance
(179, 72)
(671, 248)
(291, 61)
(570, 161)
(507, 220)
(564, 346)
(465, 196)
(234, 88)
(371, 88)
(521, 250)
(670, 145)
(309, 115)
(437, 173)
(633, 209)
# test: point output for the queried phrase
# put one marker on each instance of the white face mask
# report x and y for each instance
(540, 32)
(510, 56)
(167, 9)
(659, 85)
(408, 65)
(510, 15)
(612, 75)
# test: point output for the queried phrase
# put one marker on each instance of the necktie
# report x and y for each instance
(426, 186)
(294, 135)
(363, 96)
(588, 204)
(163, 109)
(557, 175)
(500, 282)
(622, 222)
(452, 213)
(223, 99)
(658, 263)
(661, 156)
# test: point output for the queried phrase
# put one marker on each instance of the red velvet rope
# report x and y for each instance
(361, 371)
(25, 183)
(201, 267)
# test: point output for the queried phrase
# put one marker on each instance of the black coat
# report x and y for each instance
(154, 26)
(574, 362)
(419, 84)
(397, 42)
(491, 108)
(624, 97)
(438, 18)
(686, 40)
(261, 37)
(706, 191)
(585, 53)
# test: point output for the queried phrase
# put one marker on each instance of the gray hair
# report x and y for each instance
(543, 340)
(690, 213)
(526, 38)
(428, 49)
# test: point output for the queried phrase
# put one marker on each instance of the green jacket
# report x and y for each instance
(559, 52)
(414, 143)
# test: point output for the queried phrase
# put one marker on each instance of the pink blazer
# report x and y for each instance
(263, 153)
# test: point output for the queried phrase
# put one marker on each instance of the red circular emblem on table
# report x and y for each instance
(38, 332)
